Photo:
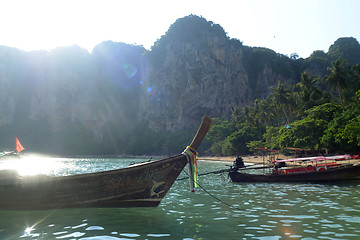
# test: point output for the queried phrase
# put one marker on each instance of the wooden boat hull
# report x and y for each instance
(343, 173)
(140, 185)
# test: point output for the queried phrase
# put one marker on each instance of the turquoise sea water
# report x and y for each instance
(259, 210)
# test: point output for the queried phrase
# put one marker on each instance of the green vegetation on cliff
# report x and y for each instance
(317, 113)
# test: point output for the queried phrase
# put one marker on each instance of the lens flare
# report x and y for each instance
(28, 230)
(129, 70)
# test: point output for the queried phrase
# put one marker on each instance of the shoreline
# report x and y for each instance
(247, 159)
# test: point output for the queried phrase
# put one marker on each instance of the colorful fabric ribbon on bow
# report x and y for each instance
(191, 155)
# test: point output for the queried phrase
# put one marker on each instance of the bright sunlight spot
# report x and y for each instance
(28, 230)
(32, 165)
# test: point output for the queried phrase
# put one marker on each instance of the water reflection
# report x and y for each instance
(270, 211)
(102, 223)
(33, 164)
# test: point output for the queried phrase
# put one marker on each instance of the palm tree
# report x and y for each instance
(338, 78)
(281, 98)
(263, 111)
(243, 115)
(309, 92)
(356, 76)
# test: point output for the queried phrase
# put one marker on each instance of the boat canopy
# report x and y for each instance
(319, 158)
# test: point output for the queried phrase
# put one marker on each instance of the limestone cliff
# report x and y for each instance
(196, 70)
(68, 94)
(107, 100)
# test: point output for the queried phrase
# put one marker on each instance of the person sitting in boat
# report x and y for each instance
(280, 165)
(238, 163)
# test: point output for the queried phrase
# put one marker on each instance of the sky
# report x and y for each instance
(285, 26)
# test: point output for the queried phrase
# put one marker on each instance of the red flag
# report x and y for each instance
(19, 147)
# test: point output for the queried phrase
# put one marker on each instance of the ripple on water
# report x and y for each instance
(104, 237)
(72, 235)
(158, 235)
(350, 219)
(79, 226)
(269, 238)
(130, 235)
(92, 228)
(294, 216)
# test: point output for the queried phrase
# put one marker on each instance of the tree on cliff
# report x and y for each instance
(322, 122)
(338, 79)
(308, 92)
(282, 100)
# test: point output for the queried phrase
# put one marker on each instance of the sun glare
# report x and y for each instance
(32, 165)
(28, 231)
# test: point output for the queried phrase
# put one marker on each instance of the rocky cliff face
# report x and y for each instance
(194, 69)
(206, 78)
(49, 94)
(197, 76)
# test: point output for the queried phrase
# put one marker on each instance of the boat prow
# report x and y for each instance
(140, 185)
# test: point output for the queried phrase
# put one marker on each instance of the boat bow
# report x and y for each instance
(140, 185)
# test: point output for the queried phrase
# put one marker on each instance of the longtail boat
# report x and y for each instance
(311, 169)
(18, 149)
(139, 185)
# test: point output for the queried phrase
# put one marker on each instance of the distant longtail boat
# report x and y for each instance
(309, 169)
(18, 149)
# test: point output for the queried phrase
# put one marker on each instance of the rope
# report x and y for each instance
(213, 196)
(202, 174)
